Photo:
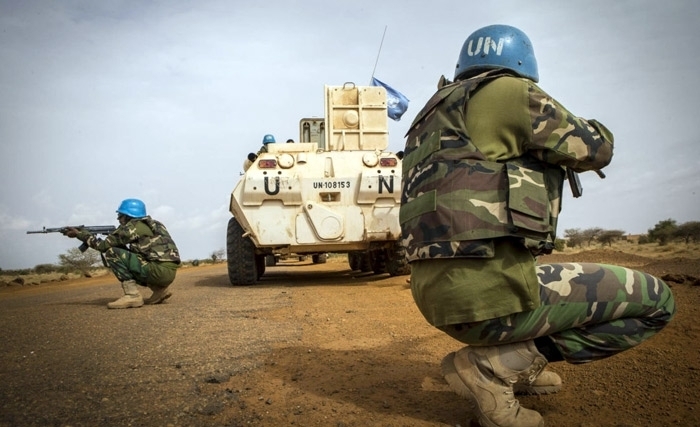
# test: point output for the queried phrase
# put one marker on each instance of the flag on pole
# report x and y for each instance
(396, 102)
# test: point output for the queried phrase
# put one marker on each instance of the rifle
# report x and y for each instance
(94, 229)
(575, 183)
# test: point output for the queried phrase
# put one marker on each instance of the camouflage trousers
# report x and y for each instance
(127, 265)
(589, 311)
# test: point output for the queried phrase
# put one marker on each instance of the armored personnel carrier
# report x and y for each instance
(337, 190)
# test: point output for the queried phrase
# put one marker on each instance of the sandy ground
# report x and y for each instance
(310, 345)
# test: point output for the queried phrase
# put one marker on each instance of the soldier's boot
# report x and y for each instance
(547, 382)
(485, 377)
(132, 297)
(158, 296)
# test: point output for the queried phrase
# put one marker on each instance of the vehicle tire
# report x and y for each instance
(240, 256)
(365, 262)
(270, 260)
(378, 261)
(319, 258)
(398, 265)
(354, 261)
(259, 266)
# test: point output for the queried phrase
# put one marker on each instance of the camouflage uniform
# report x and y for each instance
(140, 250)
(483, 174)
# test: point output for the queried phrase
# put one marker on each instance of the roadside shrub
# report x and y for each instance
(45, 268)
(559, 245)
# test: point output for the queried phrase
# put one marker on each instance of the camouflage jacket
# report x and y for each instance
(461, 191)
(144, 236)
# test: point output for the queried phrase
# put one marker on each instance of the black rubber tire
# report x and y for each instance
(377, 259)
(240, 256)
(397, 264)
(259, 266)
(354, 261)
(365, 262)
(319, 258)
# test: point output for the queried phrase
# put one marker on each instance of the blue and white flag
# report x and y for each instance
(396, 102)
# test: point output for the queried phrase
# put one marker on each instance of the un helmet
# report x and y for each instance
(134, 208)
(497, 46)
(268, 139)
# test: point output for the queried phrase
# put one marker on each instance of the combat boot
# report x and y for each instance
(547, 382)
(132, 297)
(485, 377)
(159, 295)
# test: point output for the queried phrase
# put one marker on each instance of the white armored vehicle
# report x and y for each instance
(337, 190)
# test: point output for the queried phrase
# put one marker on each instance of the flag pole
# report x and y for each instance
(378, 53)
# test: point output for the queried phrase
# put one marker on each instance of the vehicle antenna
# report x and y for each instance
(380, 51)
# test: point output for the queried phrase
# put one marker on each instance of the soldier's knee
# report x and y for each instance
(667, 302)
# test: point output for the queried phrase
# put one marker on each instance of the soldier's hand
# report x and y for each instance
(70, 232)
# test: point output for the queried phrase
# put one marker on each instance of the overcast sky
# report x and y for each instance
(162, 100)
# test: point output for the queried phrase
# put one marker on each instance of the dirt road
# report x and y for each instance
(311, 345)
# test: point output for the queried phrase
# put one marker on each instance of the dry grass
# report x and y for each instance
(36, 279)
(651, 250)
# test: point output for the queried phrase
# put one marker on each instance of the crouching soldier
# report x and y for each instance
(139, 252)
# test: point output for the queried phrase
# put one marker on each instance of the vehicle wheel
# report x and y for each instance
(365, 262)
(319, 258)
(354, 260)
(240, 256)
(378, 261)
(259, 266)
(270, 260)
(398, 265)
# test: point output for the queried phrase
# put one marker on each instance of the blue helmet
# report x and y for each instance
(134, 208)
(268, 139)
(497, 46)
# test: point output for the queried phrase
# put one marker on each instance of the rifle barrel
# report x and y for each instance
(95, 229)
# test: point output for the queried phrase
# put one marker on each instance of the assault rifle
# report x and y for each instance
(94, 229)
(575, 183)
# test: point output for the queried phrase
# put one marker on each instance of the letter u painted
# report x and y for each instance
(267, 186)
(478, 47)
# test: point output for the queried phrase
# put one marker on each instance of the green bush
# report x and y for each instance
(45, 268)
(559, 245)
